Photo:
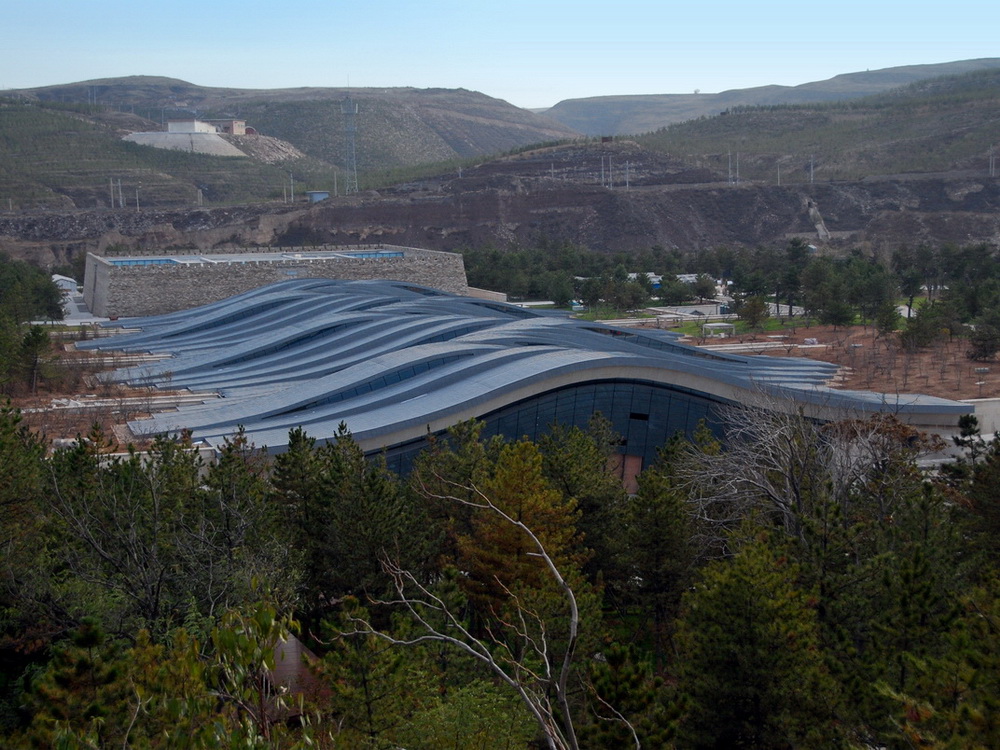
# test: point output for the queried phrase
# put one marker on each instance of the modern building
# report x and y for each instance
(152, 284)
(397, 362)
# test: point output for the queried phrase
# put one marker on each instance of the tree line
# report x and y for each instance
(800, 585)
(26, 294)
(946, 290)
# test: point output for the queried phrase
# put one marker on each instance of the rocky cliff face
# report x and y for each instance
(51, 238)
(613, 199)
(874, 215)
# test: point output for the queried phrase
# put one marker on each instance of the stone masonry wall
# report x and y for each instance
(276, 249)
(130, 291)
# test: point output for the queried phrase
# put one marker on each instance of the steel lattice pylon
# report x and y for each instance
(349, 108)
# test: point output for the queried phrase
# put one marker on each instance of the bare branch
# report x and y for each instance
(527, 626)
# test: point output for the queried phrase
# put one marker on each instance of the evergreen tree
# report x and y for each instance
(749, 671)
(658, 554)
(576, 462)
(628, 703)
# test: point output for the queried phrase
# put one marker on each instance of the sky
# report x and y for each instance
(531, 53)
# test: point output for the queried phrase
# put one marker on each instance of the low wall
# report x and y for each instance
(131, 291)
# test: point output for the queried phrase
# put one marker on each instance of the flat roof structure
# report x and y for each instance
(142, 284)
(397, 362)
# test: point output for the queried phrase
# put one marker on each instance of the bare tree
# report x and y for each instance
(521, 653)
(785, 465)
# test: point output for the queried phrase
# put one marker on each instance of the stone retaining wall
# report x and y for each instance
(131, 291)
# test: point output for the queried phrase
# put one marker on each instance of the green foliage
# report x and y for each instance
(577, 463)
(952, 699)
(348, 514)
(27, 292)
(478, 714)
(150, 536)
(96, 693)
(749, 667)
(547, 271)
(658, 555)
(21, 473)
(753, 311)
(34, 346)
(849, 602)
(933, 321)
(704, 287)
(887, 319)
(629, 705)
(977, 475)
(57, 159)
(984, 343)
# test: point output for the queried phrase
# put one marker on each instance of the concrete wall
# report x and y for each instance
(96, 277)
(195, 143)
(130, 291)
(190, 126)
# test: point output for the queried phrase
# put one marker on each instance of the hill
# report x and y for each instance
(610, 197)
(909, 166)
(624, 115)
(395, 128)
(943, 124)
(63, 157)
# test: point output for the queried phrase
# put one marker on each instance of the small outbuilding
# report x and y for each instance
(65, 283)
(718, 330)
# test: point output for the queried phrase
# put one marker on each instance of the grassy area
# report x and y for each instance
(771, 325)
(609, 313)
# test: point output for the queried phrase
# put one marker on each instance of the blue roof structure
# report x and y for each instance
(396, 362)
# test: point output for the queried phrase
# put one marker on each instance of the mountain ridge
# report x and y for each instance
(643, 113)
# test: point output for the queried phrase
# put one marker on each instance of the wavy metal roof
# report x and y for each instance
(395, 361)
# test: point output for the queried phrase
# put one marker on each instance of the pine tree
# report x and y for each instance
(750, 674)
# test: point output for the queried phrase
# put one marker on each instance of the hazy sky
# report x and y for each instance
(533, 53)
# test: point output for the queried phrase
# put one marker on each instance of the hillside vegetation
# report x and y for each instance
(625, 115)
(66, 157)
(72, 134)
(939, 125)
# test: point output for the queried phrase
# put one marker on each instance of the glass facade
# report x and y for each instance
(644, 414)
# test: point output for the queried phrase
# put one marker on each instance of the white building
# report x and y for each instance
(228, 127)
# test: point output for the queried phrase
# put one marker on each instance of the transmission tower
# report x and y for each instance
(349, 108)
